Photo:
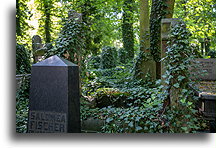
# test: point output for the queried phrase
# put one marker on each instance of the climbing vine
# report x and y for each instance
(70, 43)
(127, 29)
(157, 14)
(177, 80)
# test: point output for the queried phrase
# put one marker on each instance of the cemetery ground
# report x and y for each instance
(113, 102)
(103, 94)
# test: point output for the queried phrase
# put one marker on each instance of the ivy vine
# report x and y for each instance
(70, 43)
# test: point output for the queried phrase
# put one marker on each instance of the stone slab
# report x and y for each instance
(207, 65)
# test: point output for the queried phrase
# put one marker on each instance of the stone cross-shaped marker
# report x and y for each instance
(54, 104)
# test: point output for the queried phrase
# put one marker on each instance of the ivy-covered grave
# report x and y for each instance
(115, 102)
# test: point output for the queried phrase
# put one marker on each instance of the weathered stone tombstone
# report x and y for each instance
(166, 25)
(77, 17)
(206, 89)
(54, 104)
(36, 44)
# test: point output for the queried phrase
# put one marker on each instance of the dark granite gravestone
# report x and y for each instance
(54, 104)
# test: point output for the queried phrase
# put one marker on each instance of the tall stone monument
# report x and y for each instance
(166, 25)
(54, 105)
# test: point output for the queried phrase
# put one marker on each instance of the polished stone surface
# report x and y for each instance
(54, 92)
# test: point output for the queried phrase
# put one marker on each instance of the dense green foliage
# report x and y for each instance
(200, 19)
(103, 38)
(22, 16)
(22, 101)
(23, 65)
(108, 58)
(70, 43)
(129, 106)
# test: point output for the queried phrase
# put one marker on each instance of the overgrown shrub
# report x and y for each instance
(122, 55)
(22, 101)
(70, 43)
(108, 57)
(23, 60)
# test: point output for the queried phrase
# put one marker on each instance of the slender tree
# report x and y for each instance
(18, 23)
(170, 8)
(127, 29)
(46, 9)
(22, 15)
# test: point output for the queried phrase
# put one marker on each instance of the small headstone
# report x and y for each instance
(36, 42)
(54, 104)
(77, 17)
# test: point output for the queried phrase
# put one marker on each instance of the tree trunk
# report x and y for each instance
(170, 8)
(157, 13)
(47, 22)
(145, 63)
(18, 23)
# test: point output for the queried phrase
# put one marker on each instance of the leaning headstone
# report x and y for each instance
(54, 105)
